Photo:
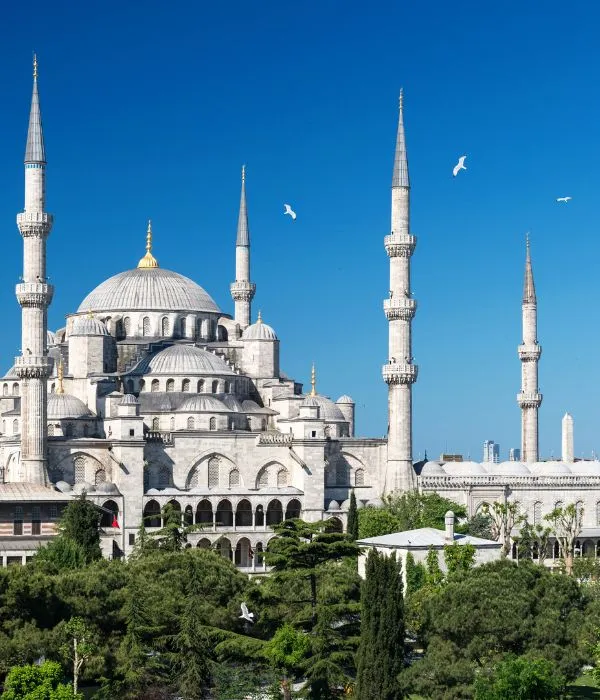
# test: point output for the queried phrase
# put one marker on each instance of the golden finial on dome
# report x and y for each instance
(313, 381)
(60, 373)
(148, 261)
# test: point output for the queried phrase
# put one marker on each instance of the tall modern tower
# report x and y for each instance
(34, 294)
(242, 290)
(529, 399)
(399, 372)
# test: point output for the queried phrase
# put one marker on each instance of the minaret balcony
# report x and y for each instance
(399, 308)
(399, 373)
(36, 294)
(34, 223)
(400, 245)
(28, 366)
(242, 291)
(527, 399)
(529, 353)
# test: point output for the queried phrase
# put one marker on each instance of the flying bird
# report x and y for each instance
(563, 199)
(245, 614)
(459, 166)
(290, 211)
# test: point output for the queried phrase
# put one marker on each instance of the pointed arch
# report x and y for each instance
(243, 553)
(234, 478)
(293, 509)
(191, 423)
(185, 385)
(283, 477)
(155, 385)
(145, 326)
(359, 477)
(164, 327)
(203, 543)
(108, 519)
(224, 547)
(99, 477)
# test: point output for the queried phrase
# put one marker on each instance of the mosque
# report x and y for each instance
(150, 394)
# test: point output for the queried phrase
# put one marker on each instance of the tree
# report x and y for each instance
(459, 557)
(287, 651)
(434, 573)
(38, 682)
(520, 678)
(173, 535)
(566, 524)
(353, 518)
(375, 522)
(480, 525)
(416, 575)
(532, 542)
(62, 553)
(504, 517)
(79, 648)
(381, 651)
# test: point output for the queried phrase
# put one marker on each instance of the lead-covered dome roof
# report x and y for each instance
(327, 408)
(203, 403)
(88, 325)
(184, 359)
(66, 406)
(259, 331)
(148, 289)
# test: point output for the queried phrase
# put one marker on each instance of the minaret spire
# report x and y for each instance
(34, 295)
(242, 290)
(399, 372)
(529, 398)
(148, 261)
(313, 381)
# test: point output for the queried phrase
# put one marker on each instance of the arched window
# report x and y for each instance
(129, 386)
(215, 387)
(119, 330)
(51, 430)
(79, 469)
(188, 516)
(212, 423)
(99, 477)
(243, 514)
(185, 385)
(15, 389)
(5, 390)
(359, 477)
(69, 430)
(537, 513)
(224, 514)
(234, 478)
(259, 553)
(152, 514)
(243, 553)
(145, 326)
(155, 423)
(204, 543)
(190, 423)
(334, 525)
(282, 478)
(170, 385)
(213, 472)
(127, 326)
(200, 386)
(224, 548)
(110, 514)
(164, 327)
(164, 477)
(52, 388)
(183, 327)
(154, 385)
(263, 479)
(327, 431)
(227, 387)
(204, 513)
(260, 516)
(172, 423)
(293, 509)
(142, 384)
(15, 426)
(274, 512)
(263, 424)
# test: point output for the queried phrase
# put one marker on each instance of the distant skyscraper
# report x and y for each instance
(491, 451)
(514, 454)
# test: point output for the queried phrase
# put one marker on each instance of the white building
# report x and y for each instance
(491, 451)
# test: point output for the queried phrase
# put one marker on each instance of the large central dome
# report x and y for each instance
(148, 289)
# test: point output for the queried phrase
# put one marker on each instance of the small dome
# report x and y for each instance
(333, 505)
(552, 468)
(203, 403)
(310, 401)
(184, 359)
(464, 469)
(66, 406)
(82, 486)
(585, 468)
(233, 403)
(510, 469)
(432, 469)
(107, 487)
(128, 400)
(249, 406)
(259, 331)
(327, 409)
(63, 486)
(345, 399)
(345, 505)
(88, 325)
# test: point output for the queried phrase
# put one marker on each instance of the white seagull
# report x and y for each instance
(563, 199)
(245, 614)
(289, 210)
(459, 166)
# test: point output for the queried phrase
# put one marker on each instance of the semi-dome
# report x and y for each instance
(233, 403)
(66, 406)
(50, 338)
(327, 409)
(184, 359)
(107, 487)
(432, 469)
(552, 468)
(465, 469)
(310, 401)
(345, 399)
(259, 331)
(88, 325)
(128, 400)
(333, 505)
(203, 403)
(148, 289)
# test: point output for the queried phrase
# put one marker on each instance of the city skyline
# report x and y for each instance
(125, 158)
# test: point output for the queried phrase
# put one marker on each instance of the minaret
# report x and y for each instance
(400, 373)
(568, 445)
(529, 399)
(34, 295)
(242, 290)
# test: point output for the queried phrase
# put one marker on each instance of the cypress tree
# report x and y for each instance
(381, 652)
(353, 519)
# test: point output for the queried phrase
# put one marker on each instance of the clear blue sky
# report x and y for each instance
(151, 108)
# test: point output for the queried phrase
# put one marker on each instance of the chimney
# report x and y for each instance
(449, 519)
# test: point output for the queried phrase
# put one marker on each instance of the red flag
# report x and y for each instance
(115, 522)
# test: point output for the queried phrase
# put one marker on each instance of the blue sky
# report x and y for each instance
(151, 108)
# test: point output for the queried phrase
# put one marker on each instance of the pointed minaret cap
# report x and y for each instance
(243, 234)
(148, 261)
(400, 176)
(528, 287)
(313, 381)
(35, 151)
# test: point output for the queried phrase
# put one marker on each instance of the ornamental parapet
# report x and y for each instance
(462, 481)
(242, 291)
(399, 373)
(34, 223)
(272, 437)
(529, 399)
(33, 366)
(400, 245)
(402, 308)
(529, 353)
(36, 294)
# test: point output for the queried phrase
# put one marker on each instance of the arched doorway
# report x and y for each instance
(224, 548)
(204, 513)
(274, 512)
(110, 512)
(152, 514)
(243, 514)
(224, 514)
(293, 509)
